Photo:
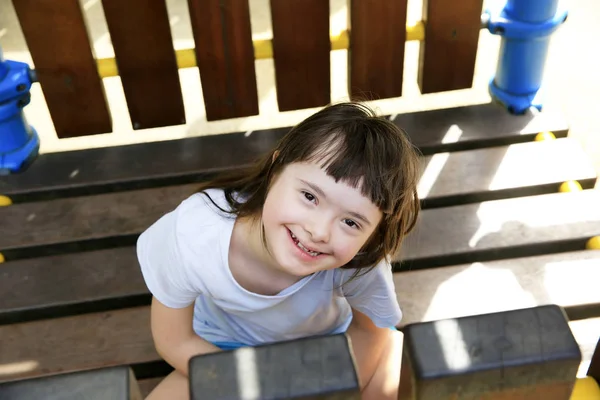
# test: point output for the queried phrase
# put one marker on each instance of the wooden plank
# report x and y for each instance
(117, 383)
(447, 56)
(84, 219)
(57, 38)
(301, 47)
(376, 44)
(121, 337)
(192, 159)
(315, 368)
(63, 285)
(502, 229)
(225, 57)
(522, 169)
(70, 344)
(141, 37)
(567, 279)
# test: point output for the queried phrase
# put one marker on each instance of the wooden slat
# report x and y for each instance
(376, 53)
(116, 383)
(96, 217)
(502, 229)
(74, 343)
(190, 159)
(447, 56)
(69, 284)
(141, 37)
(57, 38)
(301, 47)
(225, 57)
(117, 338)
(111, 279)
(522, 169)
(567, 279)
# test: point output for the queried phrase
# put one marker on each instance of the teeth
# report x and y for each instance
(312, 253)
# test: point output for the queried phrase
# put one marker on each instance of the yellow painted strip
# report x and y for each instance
(263, 49)
(5, 201)
(1, 258)
(570, 186)
(593, 243)
(544, 136)
(586, 389)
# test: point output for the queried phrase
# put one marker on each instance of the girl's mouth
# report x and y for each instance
(305, 249)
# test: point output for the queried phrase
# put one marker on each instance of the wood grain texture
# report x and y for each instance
(376, 53)
(301, 52)
(225, 57)
(143, 45)
(447, 56)
(57, 38)
(75, 343)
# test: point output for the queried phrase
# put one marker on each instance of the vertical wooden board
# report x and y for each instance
(301, 48)
(58, 41)
(141, 37)
(376, 53)
(447, 56)
(225, 57)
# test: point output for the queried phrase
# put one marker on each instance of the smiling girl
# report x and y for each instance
(297, 245)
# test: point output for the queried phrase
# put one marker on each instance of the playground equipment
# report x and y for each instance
(19, 142)
(505, 197)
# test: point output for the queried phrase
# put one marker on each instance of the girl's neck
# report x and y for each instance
(251, 264)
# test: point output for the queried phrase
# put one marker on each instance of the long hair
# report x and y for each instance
(353, 145)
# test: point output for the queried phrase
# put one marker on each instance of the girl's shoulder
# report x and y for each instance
(208, 206)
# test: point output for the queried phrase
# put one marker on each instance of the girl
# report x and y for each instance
(297, 245)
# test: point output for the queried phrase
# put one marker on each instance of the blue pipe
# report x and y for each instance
(19, 142)
(526, 27)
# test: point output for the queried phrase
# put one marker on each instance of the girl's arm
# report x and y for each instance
(174, 337)
(368, 344)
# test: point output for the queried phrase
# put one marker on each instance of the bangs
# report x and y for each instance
(356, 159)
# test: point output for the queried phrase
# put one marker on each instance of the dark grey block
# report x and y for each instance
(317, 368)
(526, 353)
(117, 383)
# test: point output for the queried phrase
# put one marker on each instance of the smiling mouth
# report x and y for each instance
(302, 247)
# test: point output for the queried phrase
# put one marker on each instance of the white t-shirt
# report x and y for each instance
(184, 259)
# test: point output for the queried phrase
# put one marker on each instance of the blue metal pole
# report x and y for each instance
(526, 27)
(19, 142)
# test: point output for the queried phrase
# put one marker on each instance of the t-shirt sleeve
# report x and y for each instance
(168, 273)
(374, 294)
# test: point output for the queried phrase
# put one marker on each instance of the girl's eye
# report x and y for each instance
(351, 223)
(309, 197)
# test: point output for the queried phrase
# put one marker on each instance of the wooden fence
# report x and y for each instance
(71, 77)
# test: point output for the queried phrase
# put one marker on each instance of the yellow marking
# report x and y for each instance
(570, 186)
(1, 258)
(544, 136)
(593, 243)
(5, 201)
(586, 389)
(263, 49)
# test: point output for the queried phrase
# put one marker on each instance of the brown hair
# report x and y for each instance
(353, 145)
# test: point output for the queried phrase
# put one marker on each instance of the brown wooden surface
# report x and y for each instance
(141, 37)
(75, 343)
(301, 52)
(148, 385)
(225, 57)
(447, 56)
(57, 38)
(59, 285)
(594, 369)
(376, 53)
(66, 220)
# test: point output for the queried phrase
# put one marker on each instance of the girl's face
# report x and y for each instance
(313, 223)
